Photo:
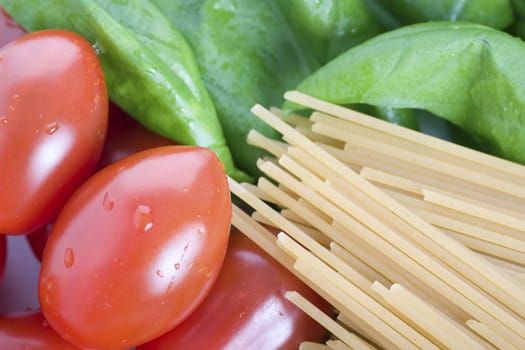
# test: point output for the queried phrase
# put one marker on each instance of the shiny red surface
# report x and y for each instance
(136, 248)
(29, 331)
(126, 136)
(53, 120)
(246, 308)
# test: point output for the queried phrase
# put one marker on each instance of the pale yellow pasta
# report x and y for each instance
(434, 259)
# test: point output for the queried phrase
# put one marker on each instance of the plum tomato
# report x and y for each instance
(126, 136)
(136, 248)
(53, 121)
(37, 240)
(9, 28)
(246, 308)
(29, 330)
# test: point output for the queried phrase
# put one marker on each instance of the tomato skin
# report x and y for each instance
(53, 121)
(37, 240)
(136, 248)
(29, 330)
(126, 136)
(246, 308)
(9, 29)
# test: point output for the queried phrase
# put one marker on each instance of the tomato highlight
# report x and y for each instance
(246, 308)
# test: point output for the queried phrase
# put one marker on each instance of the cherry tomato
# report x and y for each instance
(29, 330)
(9, 29)
(37, 240)
(246, 308)
(136, 248)
(126, 136)
(53, 120)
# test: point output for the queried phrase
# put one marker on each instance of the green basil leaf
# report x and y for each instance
(468, 74)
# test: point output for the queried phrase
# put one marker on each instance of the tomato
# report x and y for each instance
(29, 330)
(136, 248)
(9, 29)
(246, 308)
(126, 136)
(37, 240)
(53, 121)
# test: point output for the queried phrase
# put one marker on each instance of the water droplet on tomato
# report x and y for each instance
(205, 271)
(107, 203)
(47, 283)
(16, 97)
(99, 134)
(177, 266)
(4, 120)
(11, 108)
(143, 218)
(160, 273)
(52, 128)
(69, 258)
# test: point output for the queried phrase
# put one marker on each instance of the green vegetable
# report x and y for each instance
(493, 13)
(331, 27)
(149, 67)
(251, 51)
(469, 74)
(518, 27)
(401, 116)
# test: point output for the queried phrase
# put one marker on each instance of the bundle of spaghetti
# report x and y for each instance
(476, 197)
(363, 207)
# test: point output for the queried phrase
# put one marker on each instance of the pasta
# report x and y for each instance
(418, 243)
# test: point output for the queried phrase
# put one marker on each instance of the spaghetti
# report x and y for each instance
(417, 242)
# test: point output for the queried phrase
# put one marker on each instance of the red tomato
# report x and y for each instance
(126, 136)
(37, 240)
(9, 29)
(29, 331)
(53, 120)
(136, 248)
(246, 308)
